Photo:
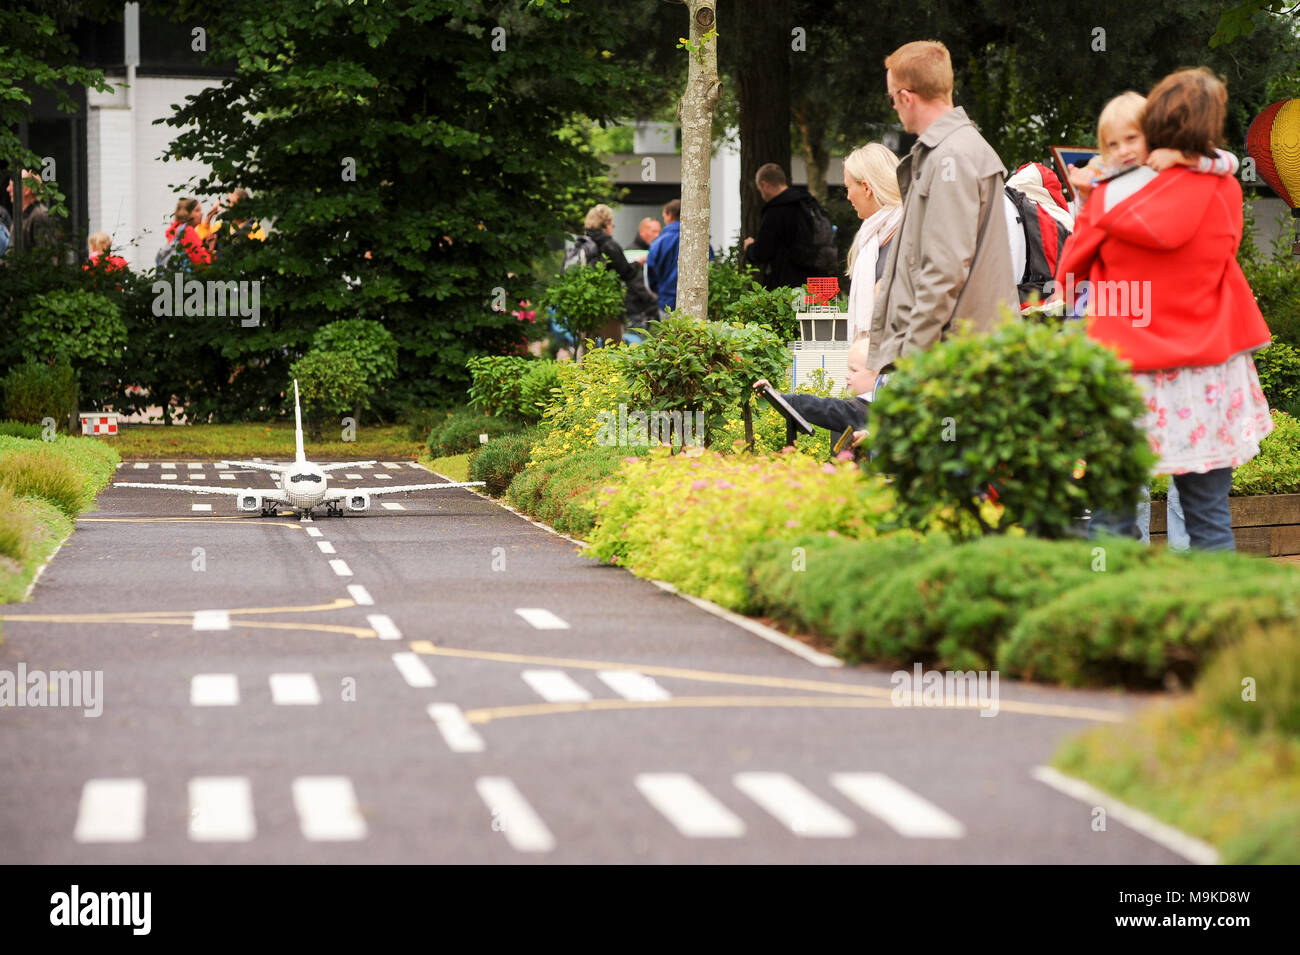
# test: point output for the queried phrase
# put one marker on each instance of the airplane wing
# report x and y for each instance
(259, 465)
(343, 464)
(202, 489)
(341, 493)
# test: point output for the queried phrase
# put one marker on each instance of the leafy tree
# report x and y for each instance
(369, 344)
(584, 299)
(329, 383)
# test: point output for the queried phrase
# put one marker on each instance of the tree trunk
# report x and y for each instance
(816, 156)
(696, 114)
(763, 93)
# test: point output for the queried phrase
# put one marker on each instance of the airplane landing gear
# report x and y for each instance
(269, 511)
(332, 509)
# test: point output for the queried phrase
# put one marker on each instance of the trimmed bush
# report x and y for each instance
(37, 390)
(537, 389)
(1049, 419)
(371, 346)
(1268, 656)
(84, 327)
(585, 299)
(772, 309)
(330, 383)
(561, 491)
(497, 462)
(458, 432)
(512, 386)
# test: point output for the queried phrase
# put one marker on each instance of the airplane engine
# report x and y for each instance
(358, 501)
(250, 501)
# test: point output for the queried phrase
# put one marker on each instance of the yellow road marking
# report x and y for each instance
(188, 621)
(745, 679)
(487, 714)
(338, 603)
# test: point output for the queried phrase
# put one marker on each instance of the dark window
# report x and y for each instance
(314, 478)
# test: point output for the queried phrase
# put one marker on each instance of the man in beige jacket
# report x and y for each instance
(951, 258)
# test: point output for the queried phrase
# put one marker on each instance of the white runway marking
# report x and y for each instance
(226, 477)
(412, 464)
(169, 464)
(353, 477)
(555, 686)
(197, 476)
(794, 806)
(139, 466)
(365, 467)
(200, 507)
(383, 477)
(195, 465)
(383, 625)
(111, 810)
(633, 686)
(327, 809)
(513, 816)
(325, 547)
(391, 506)
(221, 467)
(221, 809)
(541, 618)
(414, 670)
(211, 620)
(391, 466)
(455, 729)
(214, 689)
(689, 806)
(360, 595)
(169, 477)
(294, 689)
(313, 532)
(896, 805)
(341, 568)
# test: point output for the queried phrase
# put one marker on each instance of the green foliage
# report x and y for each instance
(330, 383)
(689, 365)
(1274, 277)
(16, 526)
(1239, 19)
(1270, 657)
(537, 389)
(584, 299)
(512, 385)
(561, 491)
(727, 283)
(371, 347)
(1276, 469)
(1278, 366)
(596, 385)
(36, 390)
(67, 472)
(1016, 409)
(688, 518)
(20, 429)
(85, 328)
(771, 309)
(497, 462)
(459, 431)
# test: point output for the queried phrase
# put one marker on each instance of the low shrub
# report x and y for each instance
(588, 393)
(93, 462)
(49, 476)
(561, 491)
(688, 518)
(37, 390)
(497, 462)
(16, 526)
(1278, 367)
(371, 346)
(728, 282)
(330, 383)
(512, 386)
(1276, 469)
(772, 309)
(584, 299)
(537, 389)
(1269, 658)
(458, 432)
(19, 429)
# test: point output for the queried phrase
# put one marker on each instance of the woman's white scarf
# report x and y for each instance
(862, 293)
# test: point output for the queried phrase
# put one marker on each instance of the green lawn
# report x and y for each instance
(455, 466)
(210, 441)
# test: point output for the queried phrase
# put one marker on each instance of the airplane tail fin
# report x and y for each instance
(297, 421)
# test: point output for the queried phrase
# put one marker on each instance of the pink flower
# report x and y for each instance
(610, 490)
(724, 485)
(1237, 398)
(832, 533)
(791, 523)
(1184, 413)
(1160, 422)
(1212, 393)
(829, 468)
(699, 485)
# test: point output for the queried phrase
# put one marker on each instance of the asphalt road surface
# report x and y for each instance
(443, 681)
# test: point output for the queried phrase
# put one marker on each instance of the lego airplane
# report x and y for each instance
(302, 485)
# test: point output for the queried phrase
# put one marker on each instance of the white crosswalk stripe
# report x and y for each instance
(412, 464)
(325, 547)
(197, 476)
(313, 532)
(414, 671)
(555, 686)
(221, 467)
(195, 466)
(294, 689)
(365, 467)
(221, 809)
(513, 816)
(794, 806)
(689, 806)
(214, 689)
(111, 810)
(391, 466)
(169, 464)
(383, 477)
(226, 477)
(353, 477)
(455, 729)
(903, 810)
(541, 619)
(327, 809)
(341, 568)
(633, 686)
(169, 477)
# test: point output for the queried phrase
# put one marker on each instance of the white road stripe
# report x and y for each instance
(555, 686)
(633, 686)
(413, 670)
(325, 547)
(383, 625)
(169, 464)
(359, 594)
(794, 806)
(211, 620)
(221, 467)
(365, 467)
(412, 464)
(541, 619)
(896, 805)
(195, 466)
(214, 689)
(513, 816)
(294, 689)
(689, 806)
(169, 477)
(111, 810)
(341, 568)
(353, 477)
(221, 809)
(139, 466)
(392, 506)
(200, 507)
(226, 477)
(391, 466)
(313, 532)
(1175, 840)
(383, 477)
(327, 809)
(197, 476)
(455, 729)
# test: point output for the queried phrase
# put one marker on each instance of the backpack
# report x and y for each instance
(815, 249)
(1044, 239)
(173, 256)
(583, 251)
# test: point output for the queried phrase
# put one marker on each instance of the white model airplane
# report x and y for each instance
(302, 485)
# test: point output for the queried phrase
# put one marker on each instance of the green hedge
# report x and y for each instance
(67, 472)
(562, 491)
(497, 462)
(458, 432)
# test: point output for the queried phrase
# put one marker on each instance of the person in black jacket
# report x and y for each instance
(779, 233)
(836, 414)
(639, 302)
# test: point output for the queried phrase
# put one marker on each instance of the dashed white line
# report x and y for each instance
(352, 477)
(313, 532)
(195, 466)
(359, 594)
(214, 689)
(689, 806)
(221, 809)
(541, 618)
(325, 547)
(211, 620)
(633, 686)
(327, 809)
(455, 729)
(392, 506)
(383, 477)
(383, 625)
(555, 686)
(391, 466)
(901, 809)
(226, 477)
(111, 810)
(200, 507)
(341, 568)
(139, 466)
(513, 816)
(220, 466)
(197, 476)
(365, 467)
(294, 689)
(414, 670)
(794, 806)
(169, 477)
(169, 464)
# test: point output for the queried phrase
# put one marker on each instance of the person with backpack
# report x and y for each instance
(184, 250)
(597, 246)
(1038, 223)
(795, 239)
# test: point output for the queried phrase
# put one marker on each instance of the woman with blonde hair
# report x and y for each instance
(870, 176)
